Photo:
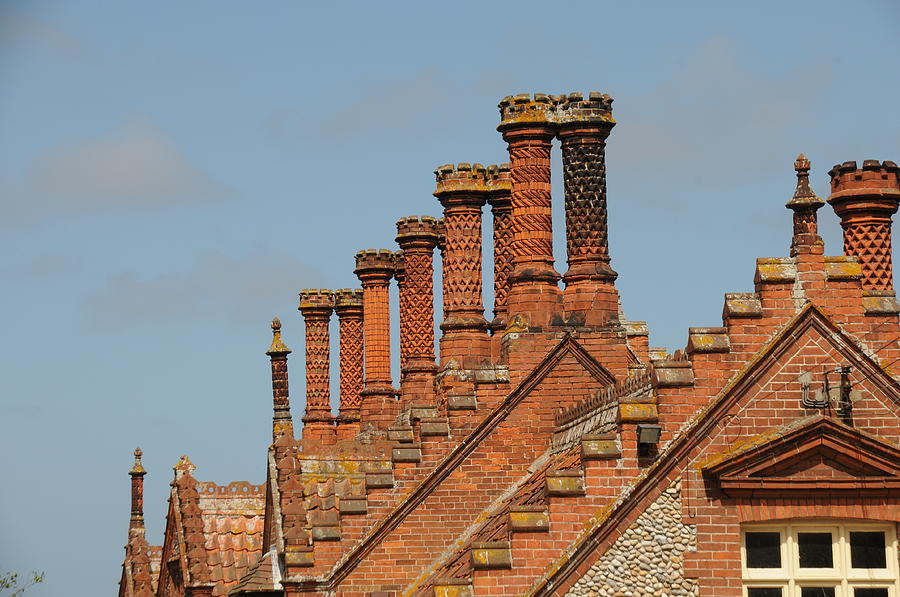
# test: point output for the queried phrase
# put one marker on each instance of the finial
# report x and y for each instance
(184, 464)
(138, 468)
(277, 348)
(803, 194)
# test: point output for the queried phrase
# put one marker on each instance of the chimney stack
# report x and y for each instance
(316, 306)
(865, 199)
(462, 191)
(590, 297)
(281, 416)
(527, 127)
(137, 473)
(348, 304)
(417, 237)
(375, 268)
(499, 187)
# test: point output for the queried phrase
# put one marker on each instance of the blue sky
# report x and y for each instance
(172, 173)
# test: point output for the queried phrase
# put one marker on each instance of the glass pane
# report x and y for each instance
(867, 551)
(763, 550)
(764, 592)
(816, 591)
(815, 551)
(882, 592)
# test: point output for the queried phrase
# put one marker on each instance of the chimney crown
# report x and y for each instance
(499, 180)
(526, 109)
(375, 261)
(348, 297)
(575, 108)
(462, 177)
(316, 298)
(874, 178)
(415, 228)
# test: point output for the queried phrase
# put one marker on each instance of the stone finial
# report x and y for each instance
(184, 465)
(277, 348)
(138, 468)
(803, 194)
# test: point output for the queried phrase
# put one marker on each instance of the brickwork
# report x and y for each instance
(462, 191)
(375, 268)
(554, 451)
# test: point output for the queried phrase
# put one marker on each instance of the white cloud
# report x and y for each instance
(215, 286)
(134, 166)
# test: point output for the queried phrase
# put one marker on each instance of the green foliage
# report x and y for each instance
(9, 581)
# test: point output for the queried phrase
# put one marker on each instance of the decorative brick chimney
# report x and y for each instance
(499, 187)
(348, 304)
(417, 237)
(865, 199)
(527, 127)
(375, 268)
(282, 424)
(805, 204)
(462, 191)
(403, 307)
(316, 306)
(137, 473)
(590, 297)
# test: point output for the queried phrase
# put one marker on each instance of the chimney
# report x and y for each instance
(499, 187)
(865, 199)
(137, 473)
(590, 297)
(462, 191)
(348, 304)
(403, 307)
(278, 353)
(316, 306)
(527, 127)
(417, 237)
(805, 204)
(375, 268)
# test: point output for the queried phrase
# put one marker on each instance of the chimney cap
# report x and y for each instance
(460, 178)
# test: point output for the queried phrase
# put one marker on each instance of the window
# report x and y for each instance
(820, 559)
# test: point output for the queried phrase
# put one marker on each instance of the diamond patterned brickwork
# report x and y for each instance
(584, 175)
(316, 306)
(349, 308)
(417, 237)
(500, 186)
(865, 199)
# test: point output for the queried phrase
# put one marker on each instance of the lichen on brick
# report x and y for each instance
(648, 559)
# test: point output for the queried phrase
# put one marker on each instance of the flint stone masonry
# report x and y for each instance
(648, 559)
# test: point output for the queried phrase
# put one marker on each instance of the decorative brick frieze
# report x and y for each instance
(316, 306)
(375, 268)
(282, 423)
(865, 199)
(348, 306)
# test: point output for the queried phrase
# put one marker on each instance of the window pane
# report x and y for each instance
(867, 551)
(764, 592)
(870, 592)
(817, 591)
(815, 551)
(763, 550)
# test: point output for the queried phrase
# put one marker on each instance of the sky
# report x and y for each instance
(172, 173)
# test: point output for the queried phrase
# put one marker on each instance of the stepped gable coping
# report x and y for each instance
(263, 576)
(673, 371)
(880, 302)
(527, 495)
(460, 178)
(353, 556)
(775, 270)
(635, 328)
(742, 304)
(708, 340)
(678, 451)
(843, 267)
(606, 397)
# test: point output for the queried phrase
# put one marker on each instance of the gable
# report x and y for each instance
(821, 454)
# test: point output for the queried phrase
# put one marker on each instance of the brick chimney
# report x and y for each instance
(403, 307)
(590, 297)
(865, 199)
(316, 306)
(137, 473)
(348, 304)
(462, 191)
(417, 237)
(526, 124)
(499, 187)
(282, 424)
(375, 268)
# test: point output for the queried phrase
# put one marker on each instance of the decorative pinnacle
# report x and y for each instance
(184, 465)
(803, 194)
(138, 468)
(277, 348)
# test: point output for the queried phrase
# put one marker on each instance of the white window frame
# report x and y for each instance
(790, 577)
